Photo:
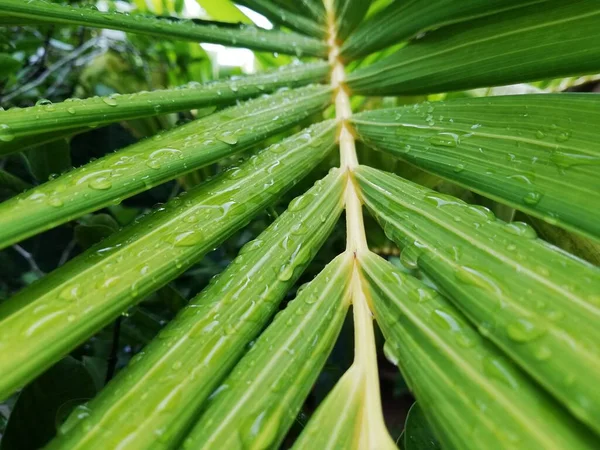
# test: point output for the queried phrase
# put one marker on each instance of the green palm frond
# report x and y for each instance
(493, 326)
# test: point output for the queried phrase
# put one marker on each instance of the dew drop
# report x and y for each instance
(445, 139)
(6, 133)
(532, 198)
(524, 330)
(227, 137)
(100, 183)
(186, 239)
(520, 229)
(110, 100)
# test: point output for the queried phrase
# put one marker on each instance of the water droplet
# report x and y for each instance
(520, 229)
(499, 370)
(286, 272)
(71, 292)
(540, 134)
(186, 239)
(409, 257)
(227, 137)
(55, 202)
(389, 352)
(458, 168)
(477, 277)
(532, 198)
(445, 139)
(260, 430)
(100, 183)
(563, 136)
(6, 133)
(71, 110)
(524, 330)
(299, 203)
(565, 160)
(110, 100)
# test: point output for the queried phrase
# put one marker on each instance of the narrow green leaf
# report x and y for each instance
(12, 182)
(49, 159)
(259, 401)
(39, 11)
(93, 112)
(404, 20)
(471, 394)
(335, 423)
(417, 434)
(284, 16)
(148, 163)
(537, 153)
(348, 14)
(525, 44)
(51, 317)
(539, 305)
(33, 140)
(45, 403)
(209, 335)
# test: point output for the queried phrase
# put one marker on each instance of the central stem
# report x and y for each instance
(356, 240)
(373, 434)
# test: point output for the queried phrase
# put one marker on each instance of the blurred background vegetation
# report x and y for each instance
(43, 65)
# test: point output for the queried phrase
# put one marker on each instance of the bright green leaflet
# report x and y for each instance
(258, 402)
(438, 349)
(524, 44)
(185, 363)
(539, 305)
(537, 153)
(403, 20)
(334, 424)
(65, 308)
(153, 161)
(37, 11)
(97, 111)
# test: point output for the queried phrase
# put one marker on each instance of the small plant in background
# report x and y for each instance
(494, 329)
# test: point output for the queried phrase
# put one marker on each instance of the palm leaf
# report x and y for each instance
(52, 317)
(538, 305)
(404, 20)
(154, 161)
(524, 44)
(537, 153)
(437, 349)
(38, 11)
(192, 355)
(265, 390)
(97, 111)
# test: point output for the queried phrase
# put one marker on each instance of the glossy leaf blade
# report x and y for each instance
(75, 113)
(236, 36)
(404, 20)
(537, 153)
(198, 348)
(473, 396)
(348, 14)
(335, 423)
(519, 45)
(151, 162)
(539, 305)
(259, 400)
(51, 317)
(284, 16)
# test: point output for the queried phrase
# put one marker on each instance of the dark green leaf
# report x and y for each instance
(45, 403)
(525, 44)
(49, 160)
